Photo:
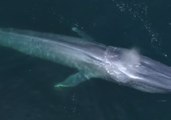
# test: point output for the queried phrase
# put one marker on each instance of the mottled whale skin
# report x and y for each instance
(91, 59)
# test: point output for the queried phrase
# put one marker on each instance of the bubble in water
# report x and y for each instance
(139, 12)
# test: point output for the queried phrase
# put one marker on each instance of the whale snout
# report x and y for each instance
(153, 77)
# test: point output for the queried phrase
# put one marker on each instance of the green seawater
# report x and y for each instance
(27, 83)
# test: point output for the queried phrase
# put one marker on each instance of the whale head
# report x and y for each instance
(129, 68)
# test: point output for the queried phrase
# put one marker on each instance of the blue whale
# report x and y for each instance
(92, 60)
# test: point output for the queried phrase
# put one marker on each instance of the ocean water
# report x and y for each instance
(26, 83)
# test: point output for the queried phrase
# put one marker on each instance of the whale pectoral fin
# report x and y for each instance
(73, 80)
(82, 34)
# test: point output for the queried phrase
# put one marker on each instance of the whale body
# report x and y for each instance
(92, 60)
